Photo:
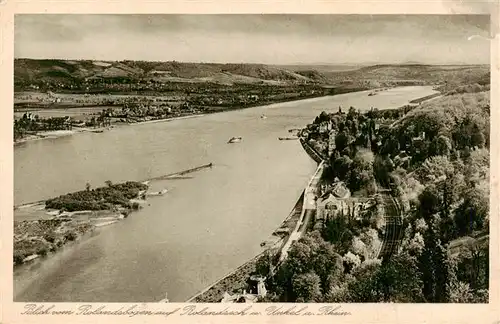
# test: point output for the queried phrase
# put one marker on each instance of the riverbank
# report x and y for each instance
(210, 110)
(166, 119)
(426, 98)
(61, 133)
(58, 133)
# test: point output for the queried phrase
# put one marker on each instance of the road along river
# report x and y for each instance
(204, 227)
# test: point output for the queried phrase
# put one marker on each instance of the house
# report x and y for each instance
(330, 207)
(333, 202)
(338, 201)
(248, 297)
(323, 127)
(29, 116)
(259, 285)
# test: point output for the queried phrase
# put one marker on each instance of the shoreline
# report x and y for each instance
(59, 133)
(154, 121)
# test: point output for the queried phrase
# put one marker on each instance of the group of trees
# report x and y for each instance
(435, 158)
(353, 135)
(450, 168)
(29, 124)
(103, 198)
(315, 272)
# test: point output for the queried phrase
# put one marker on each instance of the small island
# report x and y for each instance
(66, 218)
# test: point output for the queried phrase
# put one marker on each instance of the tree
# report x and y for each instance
(87, 186)
(473, 212)
(441, 145)
(338, 294)
(341, 141)
(321, 118)
(306, 287)
(432, 264)
(108, 183)
(430, 201)
(477, 166)
(399, 281)
(434, 168)
(459, 292)
(363, 287)
(362, 170)
(391, 145)
(351, 261)
(338, 231)
(382, 166)
(469, 133)
(342, 167)
(299, 259)
(417, 244)
(473, 264)
(327, 265)
(351, 114)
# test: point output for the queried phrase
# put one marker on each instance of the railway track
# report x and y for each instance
(393, 228)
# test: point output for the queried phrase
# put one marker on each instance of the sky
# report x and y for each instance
(252, 38)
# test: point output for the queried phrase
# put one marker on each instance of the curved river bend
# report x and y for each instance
(204, 227)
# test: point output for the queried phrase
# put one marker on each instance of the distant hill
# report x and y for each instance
(35, 70)
(26, 70)
(387, 75)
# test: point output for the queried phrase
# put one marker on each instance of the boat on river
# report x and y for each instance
(288, 138)
(235, 139)
(158, 193)
(263, 116)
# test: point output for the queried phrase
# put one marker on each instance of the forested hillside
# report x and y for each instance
(435, 159)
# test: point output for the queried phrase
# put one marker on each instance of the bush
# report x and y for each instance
(18, 257)
(70, 236)
(42, 252)
(50, 237)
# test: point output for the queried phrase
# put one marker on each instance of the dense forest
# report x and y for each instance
(435, 159)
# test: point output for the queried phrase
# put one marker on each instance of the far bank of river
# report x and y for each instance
(85, 110)
(205, 226)
(62, 110)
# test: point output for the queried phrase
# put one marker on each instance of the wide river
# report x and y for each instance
(204, 227)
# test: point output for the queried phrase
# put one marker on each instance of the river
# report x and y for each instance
(204, 227)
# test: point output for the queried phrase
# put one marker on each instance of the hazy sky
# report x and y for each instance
(277, 39)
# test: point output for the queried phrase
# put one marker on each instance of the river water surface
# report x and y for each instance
(204, 227)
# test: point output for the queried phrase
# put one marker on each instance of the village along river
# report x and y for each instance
(204, 226)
